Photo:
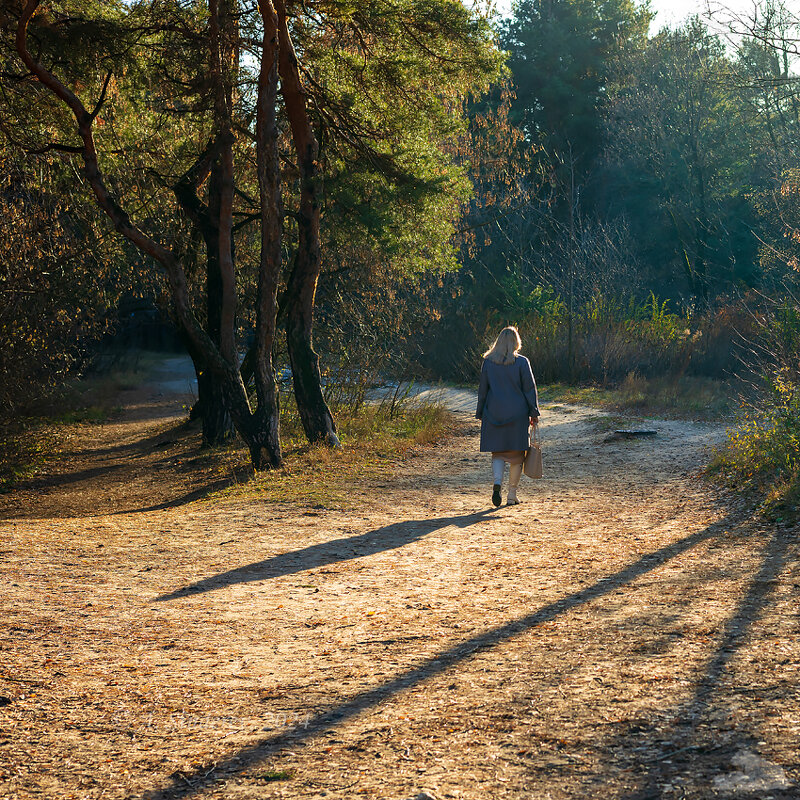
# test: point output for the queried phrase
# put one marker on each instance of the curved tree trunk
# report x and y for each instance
(302, 284)
(314, 413)
(218, 426)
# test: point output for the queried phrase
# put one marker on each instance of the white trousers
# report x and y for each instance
(514, 472)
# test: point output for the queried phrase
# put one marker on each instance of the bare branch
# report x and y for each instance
(57, 147)
(102, 98)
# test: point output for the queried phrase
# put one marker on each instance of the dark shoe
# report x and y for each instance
(496, 499)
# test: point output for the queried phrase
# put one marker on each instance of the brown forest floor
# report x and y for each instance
(625, 633)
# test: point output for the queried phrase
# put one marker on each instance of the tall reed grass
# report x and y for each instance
(606, 339)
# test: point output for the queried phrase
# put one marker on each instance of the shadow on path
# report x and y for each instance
(189, 497)
(67, 478)
(188, 785)
(389, 537)
(685, 747)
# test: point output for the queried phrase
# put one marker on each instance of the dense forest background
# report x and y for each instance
(412, 176)
(651, 222)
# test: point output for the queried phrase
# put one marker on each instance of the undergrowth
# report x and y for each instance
(761, 457)
(31, 437)
(23, 454)
(374, 437)
(28, 443)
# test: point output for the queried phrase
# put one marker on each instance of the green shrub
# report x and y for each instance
(762, 456)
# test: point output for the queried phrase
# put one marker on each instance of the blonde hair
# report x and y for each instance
(505, 347)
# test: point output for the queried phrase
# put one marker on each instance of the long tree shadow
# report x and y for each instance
(130, 464)
(389, 537)
(66, 478)
(163, 438)
(335, 714)
(686, 744)
(189, 497)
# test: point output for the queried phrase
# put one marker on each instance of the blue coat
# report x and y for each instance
(507, 398)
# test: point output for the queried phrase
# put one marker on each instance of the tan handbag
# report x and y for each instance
(533, 458)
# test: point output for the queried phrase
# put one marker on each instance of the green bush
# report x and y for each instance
(762, 456)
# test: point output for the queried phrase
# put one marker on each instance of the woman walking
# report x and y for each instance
(507, 405)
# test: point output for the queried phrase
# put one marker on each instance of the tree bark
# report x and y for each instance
(222, 68)
(221, 274)
(302, 283)
(269, 187)
(217, 423)
(211, 406)
(218, 426)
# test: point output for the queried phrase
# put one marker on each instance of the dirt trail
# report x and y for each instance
(622, 634)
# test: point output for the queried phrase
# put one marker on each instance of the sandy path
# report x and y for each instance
(622, 634)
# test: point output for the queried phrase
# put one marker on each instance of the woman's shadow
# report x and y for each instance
(388, 537)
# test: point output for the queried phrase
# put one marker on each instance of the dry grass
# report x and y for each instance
(152, 458)
(373, 444)
(682, 398)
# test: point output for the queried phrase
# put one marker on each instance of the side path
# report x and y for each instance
(620, 635)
